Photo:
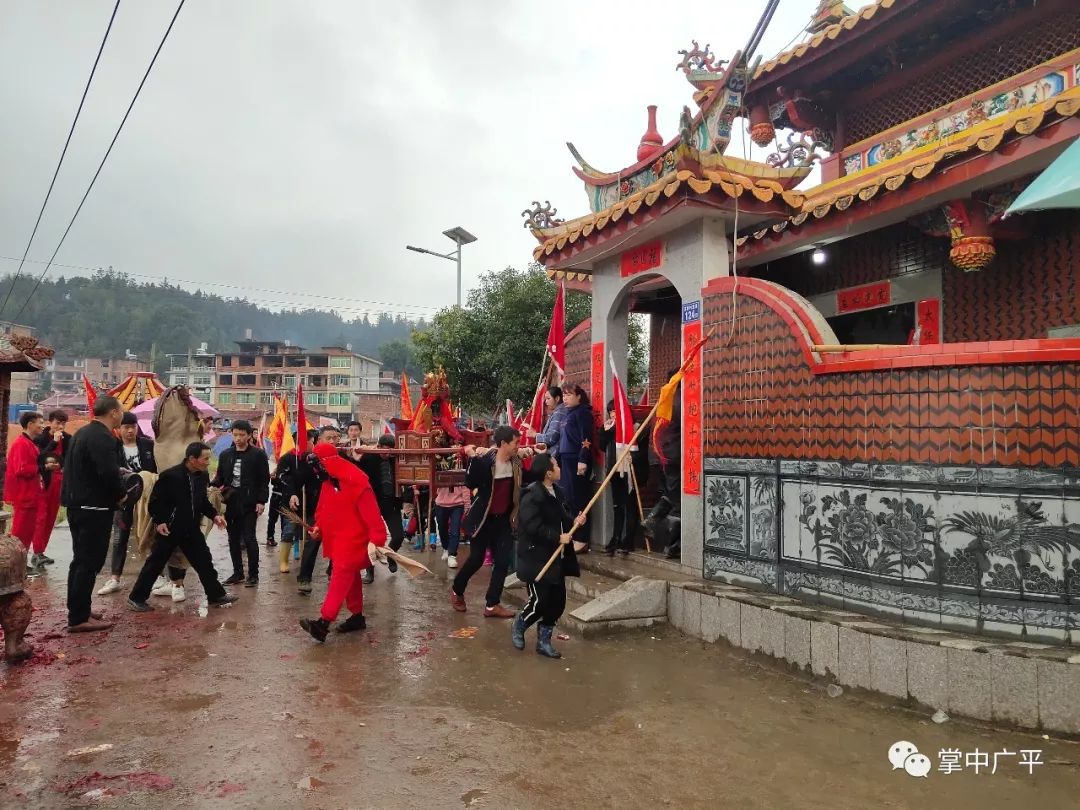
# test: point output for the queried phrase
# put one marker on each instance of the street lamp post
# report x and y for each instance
(460, 237)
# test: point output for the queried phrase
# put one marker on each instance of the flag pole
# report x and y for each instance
(615, 467)
(640, 508)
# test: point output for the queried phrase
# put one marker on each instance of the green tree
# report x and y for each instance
(398, 356)
(492, 350)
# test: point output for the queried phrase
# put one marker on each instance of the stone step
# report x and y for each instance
(634, 565)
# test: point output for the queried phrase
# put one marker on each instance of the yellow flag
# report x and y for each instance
(665, 406)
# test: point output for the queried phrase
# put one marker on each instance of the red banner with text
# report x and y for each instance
(865, 297)
(644, 257)
(691, 415)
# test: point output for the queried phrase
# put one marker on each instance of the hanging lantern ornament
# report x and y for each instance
(762, 131)
(972, 245)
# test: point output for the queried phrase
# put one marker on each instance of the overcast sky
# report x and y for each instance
(299, 146)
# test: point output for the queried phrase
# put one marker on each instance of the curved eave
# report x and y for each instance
(711, 182)
(821, 41)
(839, 195)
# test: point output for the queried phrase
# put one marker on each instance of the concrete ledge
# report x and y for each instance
(1026, 684)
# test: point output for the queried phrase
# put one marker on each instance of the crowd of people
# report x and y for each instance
(339, 498)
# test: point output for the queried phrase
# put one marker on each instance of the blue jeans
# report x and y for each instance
(448, 520)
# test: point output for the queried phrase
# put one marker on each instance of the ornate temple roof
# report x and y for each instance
(22, 353)
(827, 35)
(917, 164)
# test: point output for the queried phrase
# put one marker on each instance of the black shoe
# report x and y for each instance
(139, 607)
(368, 576)
(624, 552)
(227, 599)
(353, 623)
(317, 628)
(250, 582)
(304, 587)
(673, 552)
(45, 560)
(391, 565)
(235, 579)
(270, 542)
(609, 549)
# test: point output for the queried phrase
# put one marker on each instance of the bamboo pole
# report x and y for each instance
(828, 348)
(614, 468)
(640, 508)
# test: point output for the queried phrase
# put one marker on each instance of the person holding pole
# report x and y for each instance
(576, 451)
(495, 475)
(543, 527)
(625, 507)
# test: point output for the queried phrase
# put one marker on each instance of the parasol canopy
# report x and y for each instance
(1058, 186)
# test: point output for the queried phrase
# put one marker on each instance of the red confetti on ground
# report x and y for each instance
(119, 784)
(286, 657)
(419, 652)
(142, 646)
(428, 636)
(225, 788)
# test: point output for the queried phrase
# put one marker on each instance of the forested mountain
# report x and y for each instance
(110, 312)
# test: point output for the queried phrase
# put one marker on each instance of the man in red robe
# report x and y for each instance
(346, 521)
(22, 483)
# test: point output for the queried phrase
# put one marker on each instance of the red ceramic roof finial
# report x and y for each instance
(651, 143)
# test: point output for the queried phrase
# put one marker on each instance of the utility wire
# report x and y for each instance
(101, 165)
(60, 163)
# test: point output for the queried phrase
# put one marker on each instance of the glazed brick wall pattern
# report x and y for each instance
(1033, 284)
(763, 401)
(664, 350)
(579, 359)
(876, 256)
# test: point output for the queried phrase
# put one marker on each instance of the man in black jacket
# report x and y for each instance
(136, 453)
(495, 475)
(624, 501)
(243, 474)
(177, 507)
(54, 442)
(92, 491)
(665, 518)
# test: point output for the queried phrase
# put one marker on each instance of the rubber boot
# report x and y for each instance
(517, 631)
(674, 532)
(543, 641)
(317, 628)
(283, 557)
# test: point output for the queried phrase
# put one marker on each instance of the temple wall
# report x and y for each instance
(894, 486)
(1032, 286)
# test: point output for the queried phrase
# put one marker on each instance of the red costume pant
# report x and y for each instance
(25, 520)
(47, 513)
(346, 587)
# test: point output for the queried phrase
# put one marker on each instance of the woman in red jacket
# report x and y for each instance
(346, 520)
(22, 482)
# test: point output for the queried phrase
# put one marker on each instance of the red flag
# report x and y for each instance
(535, 419)
(301, 422)
(91, 394)
(624, 417)
(644, 397)
(556, 339)
(511, 417)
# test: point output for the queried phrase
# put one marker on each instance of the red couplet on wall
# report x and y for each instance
(644, 257)
(865, 297)
(928, 318)
(691, 415)
(597, 385)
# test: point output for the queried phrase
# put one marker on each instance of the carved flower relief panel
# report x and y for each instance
(726, 512)
(884, 532)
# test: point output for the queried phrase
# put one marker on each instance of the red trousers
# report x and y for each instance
(346, 587)
(24, 521)
(47, 513)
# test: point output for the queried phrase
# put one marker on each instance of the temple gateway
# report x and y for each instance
(887, 417)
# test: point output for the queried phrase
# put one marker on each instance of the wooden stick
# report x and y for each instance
(826, 348)
(640, 508)
(430, 503)
(303, 511)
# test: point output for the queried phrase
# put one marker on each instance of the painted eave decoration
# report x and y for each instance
(840, 194)
(23, 353)
(825, 36)
(733, 185)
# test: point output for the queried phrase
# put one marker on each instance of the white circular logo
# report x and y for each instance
(899, 751)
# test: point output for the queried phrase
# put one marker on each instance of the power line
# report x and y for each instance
(242, 288)
(101, 165)
(60, 163)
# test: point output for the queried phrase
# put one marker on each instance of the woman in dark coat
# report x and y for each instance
(576, 451)
(544, 524)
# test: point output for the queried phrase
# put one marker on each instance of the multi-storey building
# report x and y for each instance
(333, 376)
(195, 369)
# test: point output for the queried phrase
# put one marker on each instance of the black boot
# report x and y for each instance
(517, 631)
(353, 623)
(609, 549)
(674, 549)
(318, 628)
(543, 641)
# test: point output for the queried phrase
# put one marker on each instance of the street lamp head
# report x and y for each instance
(413, 247)
(460, 236)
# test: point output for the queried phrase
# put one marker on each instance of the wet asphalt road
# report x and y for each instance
(238, 708)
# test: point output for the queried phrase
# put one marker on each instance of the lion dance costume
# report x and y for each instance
(348, 519)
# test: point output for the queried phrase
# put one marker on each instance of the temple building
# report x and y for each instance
(886, 417)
